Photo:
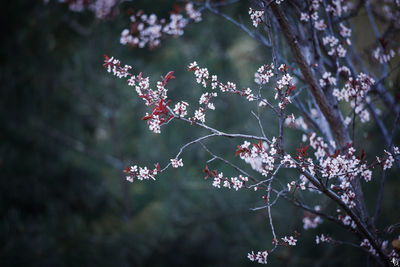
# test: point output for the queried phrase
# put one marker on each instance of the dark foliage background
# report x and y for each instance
(68, 128)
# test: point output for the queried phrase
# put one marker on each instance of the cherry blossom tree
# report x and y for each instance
(317, 71)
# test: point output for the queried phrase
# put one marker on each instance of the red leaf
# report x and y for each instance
(383, 42)
(259, 145)
(362, 154)
(290, 89)
(130, 11)
(176, 8)
(301, 152)
(206, 170)
(106, 63)
(147, 117)
(157, 167)
(239, 150)
(127, 169)
(337, 151)
(168, 77)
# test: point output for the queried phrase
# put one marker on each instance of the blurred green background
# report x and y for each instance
(68, 128)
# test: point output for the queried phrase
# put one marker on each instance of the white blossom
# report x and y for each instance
(176, 163)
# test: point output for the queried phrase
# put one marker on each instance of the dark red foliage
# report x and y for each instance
(167, 77)
(301, 152)
(209, 173)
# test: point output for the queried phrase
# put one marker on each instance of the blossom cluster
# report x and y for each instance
(141, 173)
(180, 109)
(291, 241)
(103, 9)
(299, 122)
(355, 91)
(148, 30)
(388, 161)
(383, 56)
(389, 10)
(157, 98)
(386, 49)
(343, 166)
(260, 257)
(311, 221)
(327, 79)
(144, 173)
(259, 155)
(322, 239)
(114, 65)
(219, 179)
(336, 8)
(176, 163)
(335, 48)
(394, 255)
(263, 74)
(256, 16)
(366, 244)
(301, 185)
(284, 87)
(192, 13)
(204, 78)
(346, 220)
(205, 101)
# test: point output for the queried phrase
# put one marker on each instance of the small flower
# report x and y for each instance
(192, 65)
(344, 31)
(176, 163)
(322, 238)
(291, 241)
(256, 16)
(199, 115)
(180, 109)
(304, 17)
(260, 257)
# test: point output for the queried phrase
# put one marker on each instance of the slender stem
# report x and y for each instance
(269, 206)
